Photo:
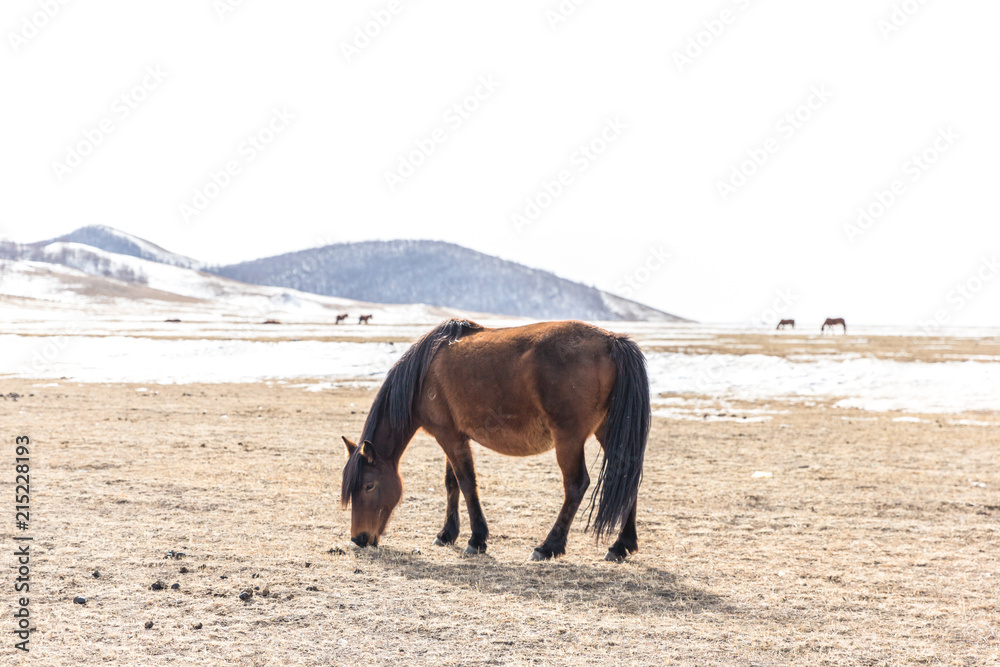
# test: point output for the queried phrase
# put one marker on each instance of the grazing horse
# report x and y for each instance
(786, 323)
(363, 319)
(342, 317)
(831, 322)
(518, 391)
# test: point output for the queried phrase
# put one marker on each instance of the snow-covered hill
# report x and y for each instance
(79, 281)
(113, 240)
(442, 274)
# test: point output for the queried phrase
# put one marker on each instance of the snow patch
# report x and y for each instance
(877, 385)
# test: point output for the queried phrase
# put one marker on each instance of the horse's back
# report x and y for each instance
(510, 389)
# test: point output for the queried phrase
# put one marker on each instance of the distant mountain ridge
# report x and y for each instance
(439, 274)
(434, 273)
(122, 243)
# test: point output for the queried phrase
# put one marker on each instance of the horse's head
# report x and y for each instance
(373, 487)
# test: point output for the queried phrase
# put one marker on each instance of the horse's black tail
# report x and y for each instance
(625, 434)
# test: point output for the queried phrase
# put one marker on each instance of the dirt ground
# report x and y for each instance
(872, 542)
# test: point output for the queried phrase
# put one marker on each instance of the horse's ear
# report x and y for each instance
(350, 446)
(368, 451)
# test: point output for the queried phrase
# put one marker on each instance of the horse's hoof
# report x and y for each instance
(438, 542)
(614, 557)
(473, 551)
(538, 555)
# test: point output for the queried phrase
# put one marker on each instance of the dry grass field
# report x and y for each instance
(790, 343)
(873, 542)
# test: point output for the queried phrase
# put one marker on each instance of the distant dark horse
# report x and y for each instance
(342, 317)
(518, 391)
(831, 322)
(363, 319)
(786, 323)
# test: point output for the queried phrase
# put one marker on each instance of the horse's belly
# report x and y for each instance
(510, 438)
(515, 446)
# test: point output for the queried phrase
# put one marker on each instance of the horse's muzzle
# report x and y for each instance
(362, 540)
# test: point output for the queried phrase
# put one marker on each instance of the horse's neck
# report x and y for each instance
(390, 442)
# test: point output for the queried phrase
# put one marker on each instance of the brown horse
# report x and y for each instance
(342, 317)
(363, 319)
(518, 391)
(786, 323)
(831, 322)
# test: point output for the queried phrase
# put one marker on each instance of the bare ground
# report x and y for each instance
(874, 542)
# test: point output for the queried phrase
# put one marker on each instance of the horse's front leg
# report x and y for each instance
(460, 456)
(450, 531)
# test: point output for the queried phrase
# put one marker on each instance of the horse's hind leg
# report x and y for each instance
(460, 456)
(450, 531)
(572, 462)
(627, 542)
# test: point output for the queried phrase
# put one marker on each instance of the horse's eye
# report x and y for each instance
(369, 487)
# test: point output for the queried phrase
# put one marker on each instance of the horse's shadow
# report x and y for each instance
(631, 587)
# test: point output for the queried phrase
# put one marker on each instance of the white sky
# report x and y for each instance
(656, 186)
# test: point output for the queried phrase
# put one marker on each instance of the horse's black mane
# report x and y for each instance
(398, 393)
(395, 399)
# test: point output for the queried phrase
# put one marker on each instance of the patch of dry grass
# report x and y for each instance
(811, 344)
(868, 545)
